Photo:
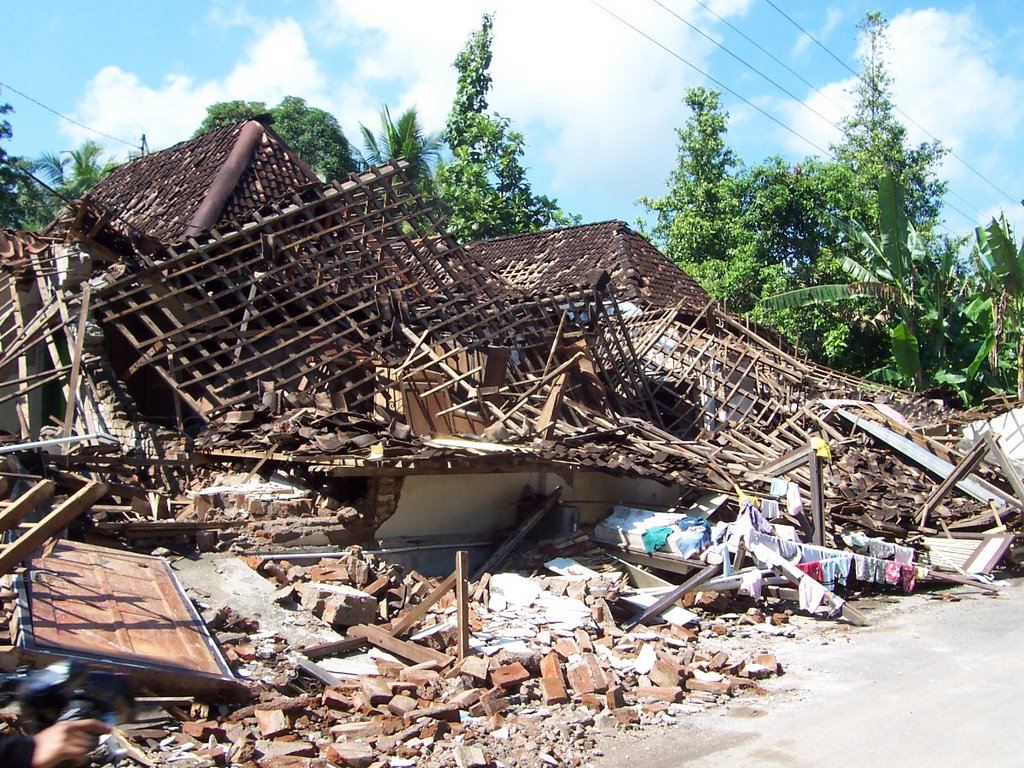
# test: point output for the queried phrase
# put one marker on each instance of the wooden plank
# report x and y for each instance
(50, 525)
(20, 507)
(417, 654)
(1006, 464)
(324, 650)
(404, 622)
(966, 465)
(462, 602)
(670, 597)
(548, 418)
(76, 362)
(505, 549)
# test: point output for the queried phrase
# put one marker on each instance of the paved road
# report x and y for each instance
(929, 683)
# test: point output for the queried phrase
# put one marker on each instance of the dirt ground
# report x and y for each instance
(930, 682)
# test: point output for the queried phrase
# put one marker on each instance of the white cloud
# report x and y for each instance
(597, 101)
(116, 102)
(945, 79)
(601, 98)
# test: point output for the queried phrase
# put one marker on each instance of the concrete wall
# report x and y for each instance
(474, 505)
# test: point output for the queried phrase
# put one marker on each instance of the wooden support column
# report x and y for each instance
(76, 363)
(967, 464)
(462, 601)
(817, 500)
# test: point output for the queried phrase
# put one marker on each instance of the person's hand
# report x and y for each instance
(68, 741)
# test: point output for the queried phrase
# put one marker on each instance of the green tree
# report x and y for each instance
(67, 176)
(919, 288)
(10, 178)
(225, 113)
(484, 184)
(698, 219)
(874, 141)
(792, 239)
(313, 133)
(73, 173)
(316, 137)
(402, 138)
(999, 265)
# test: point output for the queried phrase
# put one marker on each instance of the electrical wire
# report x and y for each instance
(65, 117)
(796, 98)
(747, 64)
(714, 80)
(913, 122)
(749, 103)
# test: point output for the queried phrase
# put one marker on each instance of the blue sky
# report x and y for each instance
(597, 101)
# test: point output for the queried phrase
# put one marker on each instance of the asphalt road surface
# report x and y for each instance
(930, 682)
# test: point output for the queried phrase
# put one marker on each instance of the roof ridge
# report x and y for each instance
(551, 231)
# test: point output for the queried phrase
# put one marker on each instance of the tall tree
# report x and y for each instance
(484, 185)
(10, 211)
(67, 175)
(313, 133)
(402, 138)
(916, 284)
(225, 113)
(874, 141)
(74, 172)
(697, 219)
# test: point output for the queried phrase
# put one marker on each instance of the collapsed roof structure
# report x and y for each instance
(215, 303)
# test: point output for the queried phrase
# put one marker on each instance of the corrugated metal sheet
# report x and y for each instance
(123, 610)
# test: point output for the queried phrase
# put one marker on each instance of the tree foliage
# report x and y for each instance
(11, 214)
(402, 138)
(874, 141)
(697, 220)
(313, 133)
(68, 176)
(745, 232)
(484, 184)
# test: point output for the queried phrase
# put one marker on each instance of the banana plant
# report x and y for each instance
(999, 264)
(889, 268)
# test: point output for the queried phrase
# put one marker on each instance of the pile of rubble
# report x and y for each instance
(548, 663)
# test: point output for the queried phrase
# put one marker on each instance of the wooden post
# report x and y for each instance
(669, 598)
(76, 363)
(817, 500)
(966, 466)
(462, 600)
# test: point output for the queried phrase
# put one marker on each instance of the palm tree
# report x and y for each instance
(73, 173)
(405, 139)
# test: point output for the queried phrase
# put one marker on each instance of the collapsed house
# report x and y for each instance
(217, 350)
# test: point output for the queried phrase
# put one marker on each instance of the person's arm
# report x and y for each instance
(69, 741)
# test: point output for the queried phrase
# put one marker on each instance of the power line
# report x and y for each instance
(781, 88)
(745, 63)
(65, 117)
(714, 80)
(772, 56)
(914, 122)
(784, 90)
(746, 101)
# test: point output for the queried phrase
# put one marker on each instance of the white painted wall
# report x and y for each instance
(445, 505)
